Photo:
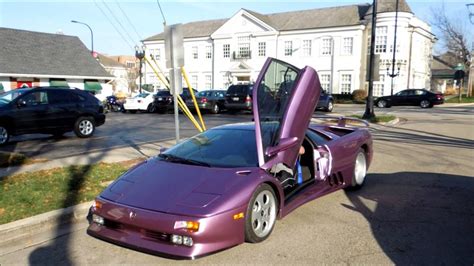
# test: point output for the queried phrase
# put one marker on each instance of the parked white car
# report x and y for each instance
(140, 102)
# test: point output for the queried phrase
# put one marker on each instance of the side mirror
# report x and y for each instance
(284, 144)
(21, 103)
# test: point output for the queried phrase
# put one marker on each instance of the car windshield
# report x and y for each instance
(142, 95)
(211, 148)
(239, 89)
(204, 94)
(10, 96)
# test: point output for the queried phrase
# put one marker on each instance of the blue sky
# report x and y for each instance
(53, 16)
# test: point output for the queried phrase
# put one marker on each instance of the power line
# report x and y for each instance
(159, 6)
(118, 21)
(129, 21)
(113, 25)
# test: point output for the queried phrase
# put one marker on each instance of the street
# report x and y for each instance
(416, 207)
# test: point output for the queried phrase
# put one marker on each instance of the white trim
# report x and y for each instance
(13, 75)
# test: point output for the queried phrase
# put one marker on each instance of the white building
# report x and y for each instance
(335, 41)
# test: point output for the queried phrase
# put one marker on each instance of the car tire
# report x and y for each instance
(425, 104)
(84, 127)
(215, 109)
(329, 107)
(151, 108)
(360, 171)
(382, 104)
(261, 214)
(4, 135)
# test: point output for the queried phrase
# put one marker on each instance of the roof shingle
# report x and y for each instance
(37, 53)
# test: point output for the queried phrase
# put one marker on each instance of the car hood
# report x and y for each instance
(178, 188)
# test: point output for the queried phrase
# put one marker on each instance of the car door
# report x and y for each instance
(63, 108)
(285, 97)
(399, 98)
(32, 112)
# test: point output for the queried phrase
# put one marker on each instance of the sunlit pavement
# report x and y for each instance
(416, 207)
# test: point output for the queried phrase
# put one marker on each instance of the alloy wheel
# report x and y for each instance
(86, 127)
(3, 135)
(360, 169)
(263, 213)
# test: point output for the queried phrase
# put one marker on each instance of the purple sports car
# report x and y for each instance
(229, 184)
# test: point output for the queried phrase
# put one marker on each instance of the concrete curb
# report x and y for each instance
(390, 123)
(31, 230)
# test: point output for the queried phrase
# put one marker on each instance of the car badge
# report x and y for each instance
(132, 215)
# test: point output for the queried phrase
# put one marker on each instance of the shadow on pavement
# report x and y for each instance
(59, 251)
(420, 218)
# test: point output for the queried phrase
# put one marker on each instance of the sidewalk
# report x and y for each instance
(107, 156)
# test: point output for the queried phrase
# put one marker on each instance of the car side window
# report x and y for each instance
(316, 137)
(35, 98)
(60, 97)
(419, 92)
(402, 93)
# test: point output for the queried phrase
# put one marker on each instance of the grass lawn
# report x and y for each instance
(464, 99)
(378, 118)
(28, 194)
(13, 159)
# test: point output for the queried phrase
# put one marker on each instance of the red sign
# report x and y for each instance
(24, 84)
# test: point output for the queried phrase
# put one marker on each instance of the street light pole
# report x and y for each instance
(470, 84)
(394, 48)
(140, 54)
(92, 34)
(369, 107)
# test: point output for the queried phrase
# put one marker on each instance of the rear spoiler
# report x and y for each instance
(341, 120)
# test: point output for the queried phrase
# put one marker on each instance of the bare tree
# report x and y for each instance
(132, 75)
(454, 37)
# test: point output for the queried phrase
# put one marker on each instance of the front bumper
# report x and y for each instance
(149, 231)
(134, 106)
(99, 120)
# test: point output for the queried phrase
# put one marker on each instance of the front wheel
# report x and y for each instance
(84, 127)
(261, 214)
(4, 135)
(425, 104)
(382, 104)
(215, 109)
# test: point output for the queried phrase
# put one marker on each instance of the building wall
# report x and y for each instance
(340, 71)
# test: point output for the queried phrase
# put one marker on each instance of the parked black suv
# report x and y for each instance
(163, 100)
(49, 110)
(239, 97)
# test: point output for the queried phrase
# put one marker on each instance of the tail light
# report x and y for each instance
(204, 100)
(248, 99)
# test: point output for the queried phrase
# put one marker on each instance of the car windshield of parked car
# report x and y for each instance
(204, 94)
(10, 96)
(142, 95)
(222, 148)
(163, 93)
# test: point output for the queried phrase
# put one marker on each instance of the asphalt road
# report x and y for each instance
(416, 208)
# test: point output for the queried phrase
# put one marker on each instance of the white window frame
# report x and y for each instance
(381, 39)
(288, 48)
(226, 50)
(208, 51)
(379, 86)
(158, 54)
(243, 46)
(306, 47)
(194, 81)
(347, 45)
(208, 81)
(195, 52)
(325, 81)
(326, 46)
(345, 84)
(262, 49)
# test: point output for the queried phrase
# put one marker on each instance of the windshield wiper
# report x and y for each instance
(176, 159)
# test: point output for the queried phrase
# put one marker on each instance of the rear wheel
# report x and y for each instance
(151, 108)
(330, 107)
(4, 135)
(360, 170)
(215, 109)
(261, 214)
(84, 127)
(425, 104)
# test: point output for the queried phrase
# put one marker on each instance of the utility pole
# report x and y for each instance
(369, 107)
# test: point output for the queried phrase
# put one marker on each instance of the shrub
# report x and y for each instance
(359, 96)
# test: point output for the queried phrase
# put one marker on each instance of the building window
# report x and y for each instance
(306, 47)
(326, 46)
(262, 47)
(194, 81)
(226, 50)
(325, 80)
(195, 52)
(288, 48)
(208, 83)
(244, 46)
(130, 64)
(208, 52)
(158, 54)
(379, 86)
(346, 81)
(381, 40)
(347, 44)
